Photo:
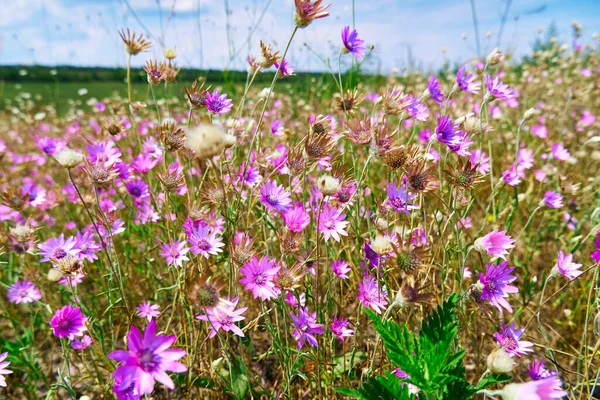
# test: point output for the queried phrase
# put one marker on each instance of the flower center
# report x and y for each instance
(147, 360)
(203, 245)
(59, 253)
(259, 279)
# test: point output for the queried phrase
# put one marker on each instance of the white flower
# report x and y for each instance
(69, 158)
(328, 185)
(208, 140)
(500, 362)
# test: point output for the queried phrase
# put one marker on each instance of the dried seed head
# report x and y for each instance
(267, 56)
(170, 53)
(329, 185)
(155, 72)
(15, 199)
(349, 101)
(197, 95)
(396, 158)
(318, 146)
(100, 175)
(307, 11)
(172, 138)
(290, 242)
(500, 362)
(171, 183)
(464, 176)
(409, 295)
(69, 158)
(204, 294)
(134, 44)
(287, 279)
(69, 265)
(171, 72)
(360, 131)
(241, 248)
(22, 233)
(419, 177)
(208, 140)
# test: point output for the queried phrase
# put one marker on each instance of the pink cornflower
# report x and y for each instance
(305, 327)
(296, 219)
(352, 44)
(332, 223)
(370, 295)
(464, 223)
(566, 267)
(510, 340)
(218, 103)
(540, 131)
(496, 244)
(494, 285)
(467, 83)
(341, 269)
(82, 344)
(274, 196)
(205, 241)
(249, 175)
(284, 69)
(174, 252)
(559, 152)
(138, 189)
(543, 389)
(339, 327)
(87, 245)
(258, 277)
(525, 158)
(415, 109)
(224, 317)
(71, 280)
(553, 199)
(23, 292)
(498, 89)
(433, 87)
(148, 310)
(58, 248)
(3, 370)
(147, 359)
(480, 160)
(68, 322)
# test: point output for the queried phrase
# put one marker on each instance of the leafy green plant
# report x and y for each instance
(432, 360)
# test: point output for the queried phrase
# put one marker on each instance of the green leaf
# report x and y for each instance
(380, 388)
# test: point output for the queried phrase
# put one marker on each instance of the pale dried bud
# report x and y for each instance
(69, 158)
(529, 114)
(495, 57)
(381, 244)
(208, 140)
(328, 185)
(500, 362)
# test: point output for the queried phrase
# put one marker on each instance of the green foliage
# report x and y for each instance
(432, 359)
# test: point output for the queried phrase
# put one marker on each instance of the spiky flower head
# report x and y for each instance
(170, 53)
(155, 71)
(267, 57)
(69, 265)
(134, 44)
(197, 95)
(349, 100)
(410, 294)
(172, 138)
(14, 198)
(204, 293)
(307, 11)
(420, 178)
(464, 176)
(360, 131)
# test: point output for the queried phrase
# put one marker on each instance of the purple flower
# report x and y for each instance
(370, 295)
(352, 44)
(218, 103)
(525, 158)
(509, 340)
(82, 344)
(498, 89)
(560, 152)
(494, 285)
(87, 246)
(3, 370)
(415, 109)
(68, 322)
(480, 160)
(448, 133)
(596, 254)
(148, 310)
(305, 327)
(147, 360)
(251, 177)
(23, 292)
(400, 198)
(433, 87)
(174, 252)
(205, 241)
(274, 196)
(332, 223)
(128, 392)
(341, 269)
(566, 267)
(50, 145)
(138, 189)
(339, 327)
(258, 277)
(536, 371)
(58, 248)
(284, 69)
(553, 199)
(512, 176)
(224, 317)
(466, 83)
(296, 219)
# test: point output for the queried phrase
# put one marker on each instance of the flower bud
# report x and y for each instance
(529, 114)
(69, 158)
(495, 57)
(328, 185)
(499, 361)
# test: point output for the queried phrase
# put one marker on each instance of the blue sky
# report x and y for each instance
(84, 32)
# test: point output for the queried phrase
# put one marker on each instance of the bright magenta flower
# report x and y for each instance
(258, 277)
(496, 244)
(566, 267)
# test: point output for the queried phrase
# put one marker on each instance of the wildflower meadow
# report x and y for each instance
(428, 235)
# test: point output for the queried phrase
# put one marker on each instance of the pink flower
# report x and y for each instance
(370, 295)
(148, 359)
(481, 160)
(339, 327)
(340, 269)
(258, 277)
(332, 223)
(82, 344)
(3, 370)
(513, 176)
(296, 219)
(543, 389)
(553, 199)
(510, 340)
(566, 267)
(68, 322)
(559, 152)
(494, 285)
(495, 243)
(539, 131)
(148, 310)
(23, 292)
(174, 252)
(224, 317)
